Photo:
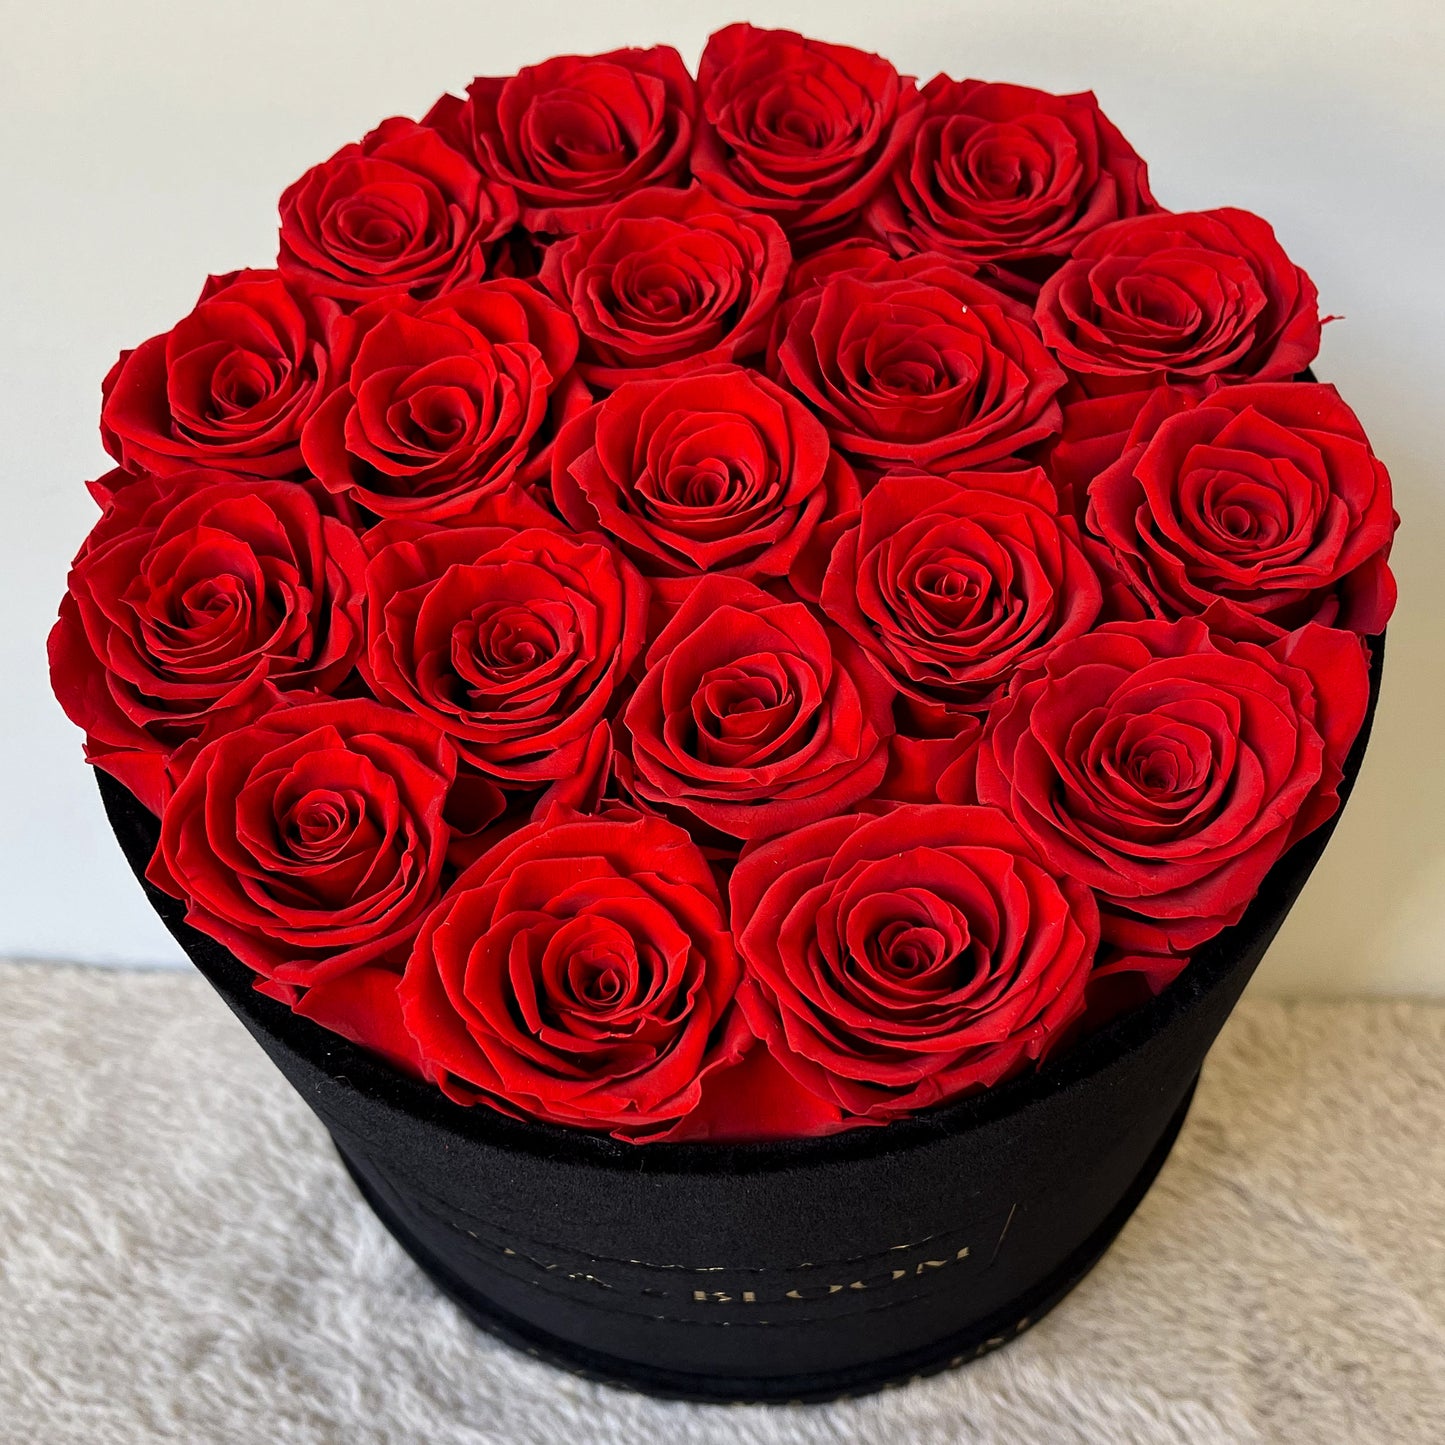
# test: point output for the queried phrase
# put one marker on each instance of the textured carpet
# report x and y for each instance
(182, 1259)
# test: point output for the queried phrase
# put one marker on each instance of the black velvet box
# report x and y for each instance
(803, 1270)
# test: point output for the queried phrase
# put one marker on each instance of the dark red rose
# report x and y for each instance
(513, 642)
(582, 972)
(310, 841)
(577, 132)
(713, 471)
(894, 962)
(668, 281)
(363, 1005)
(1008, 177)
(799, 129)
(1168, 768)
(400, 212)
(199, 599)
(1258, 508)
(754, 716)
(230, 386)
(1182, 297)
(954, 583)
(446, 402)
(920, 365)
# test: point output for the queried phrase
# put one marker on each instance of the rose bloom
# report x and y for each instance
(1258, 508)
(310, 841)
(753, 715)
(511, 640)
(1181, 297)
(920, 365)
(577, 132)
(398, 212)
(798, 129)
(894, 962)
(199, 599)
(581, 972)
(717, 470)
(229, 387)
(1168, 768)
(954, 583)
(667, 281)
(446, 402)
(1008, 177)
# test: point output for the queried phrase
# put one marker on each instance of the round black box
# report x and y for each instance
(790, 1271)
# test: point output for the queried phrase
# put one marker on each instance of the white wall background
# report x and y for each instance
(143, 143)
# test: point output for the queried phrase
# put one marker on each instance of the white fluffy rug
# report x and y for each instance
(182, 1259)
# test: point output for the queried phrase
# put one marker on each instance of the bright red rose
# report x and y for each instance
(398, 212)
(712, 471)
(895, 962)
(1258, 508)
(513, 642)
(310, 841)
(582, 972)
(798, 129)
(1008, 177)
(754, 716)
(668, 281)
(954, 583)
(199, 599)
(577, 132)
(445, 402)
(1168, 768)
(1182, 297)
(230, 386)
(917, 364)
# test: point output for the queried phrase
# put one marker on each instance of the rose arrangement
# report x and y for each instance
(729, 607)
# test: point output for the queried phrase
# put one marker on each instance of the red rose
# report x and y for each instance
(512, 641)
(445, 402)
(398, 212)
(894, 962)
(1008, 177)
(668, 281)
(230, 386)
(1094, 433)
(954, 583)
(1257, 508)
(1182, 297)
(920, 365)
(1168, 769)
(577, 132)
(199, 598)
(799, 129)
(580, 971)
(754, 716)
(717, 470)
(311, 840)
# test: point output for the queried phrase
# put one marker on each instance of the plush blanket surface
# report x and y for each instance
(182, 1259)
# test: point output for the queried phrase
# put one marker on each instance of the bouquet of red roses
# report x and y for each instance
(729, 607)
